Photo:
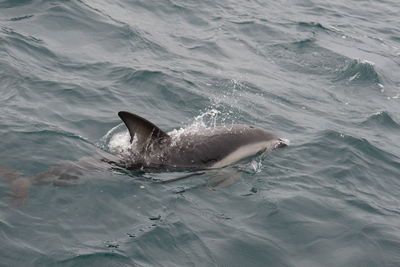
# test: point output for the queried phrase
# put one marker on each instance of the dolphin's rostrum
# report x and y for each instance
(206, 148)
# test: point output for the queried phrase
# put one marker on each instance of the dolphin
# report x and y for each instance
(207, 148)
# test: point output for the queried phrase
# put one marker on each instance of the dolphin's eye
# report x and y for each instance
(252, 127)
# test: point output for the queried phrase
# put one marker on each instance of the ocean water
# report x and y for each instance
(322, 74)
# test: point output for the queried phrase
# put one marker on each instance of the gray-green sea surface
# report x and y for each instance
(322, 74)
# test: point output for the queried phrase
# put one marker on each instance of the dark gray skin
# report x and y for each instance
(204, 149)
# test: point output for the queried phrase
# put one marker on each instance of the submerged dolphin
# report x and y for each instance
(206, 148)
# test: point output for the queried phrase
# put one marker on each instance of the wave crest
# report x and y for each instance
(381, 119)
(359, 71)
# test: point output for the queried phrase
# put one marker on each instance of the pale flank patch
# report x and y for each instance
(244, 152)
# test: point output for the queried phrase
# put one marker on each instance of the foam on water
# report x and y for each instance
(117, 140)
(120, 143)
(285, 141)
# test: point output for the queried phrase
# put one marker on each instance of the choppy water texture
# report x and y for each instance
(324, 75)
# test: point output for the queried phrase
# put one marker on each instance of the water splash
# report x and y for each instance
(252, 167)
(207, 119)
(117, 140)
(285, 141)
(228, 100)
(120, 143)
(256, 165)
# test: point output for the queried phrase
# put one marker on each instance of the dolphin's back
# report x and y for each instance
(209, 147)
(205, 148)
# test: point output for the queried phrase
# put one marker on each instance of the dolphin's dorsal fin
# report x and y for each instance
(145, 131)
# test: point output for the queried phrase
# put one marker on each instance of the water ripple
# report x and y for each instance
(323, 74)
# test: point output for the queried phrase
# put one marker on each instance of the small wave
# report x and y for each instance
(21, 18)
(14, 38)
(315, 25)
(48, 130)
(354, 152)
(381, 119)
(347, 159)
(129, 75)
(307, 56)
(303, 43)
(98, 257)
(359, 71)
(13, 3)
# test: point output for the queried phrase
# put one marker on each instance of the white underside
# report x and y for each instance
(245, 152)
